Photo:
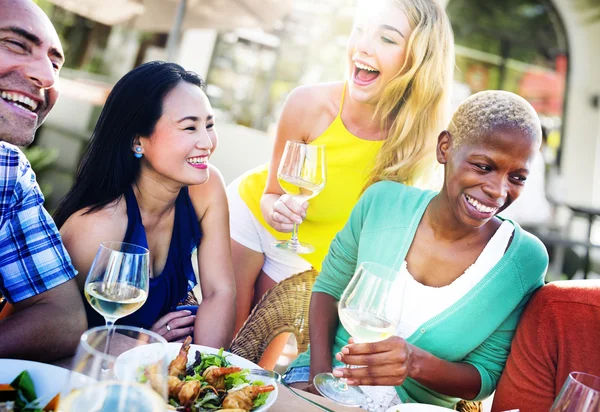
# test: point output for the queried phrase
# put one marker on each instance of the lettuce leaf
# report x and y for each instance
(25, 389)
(261, 399)
(212, 360)
(195, 377)
(209, 401)
(142, 378)
(236, 378)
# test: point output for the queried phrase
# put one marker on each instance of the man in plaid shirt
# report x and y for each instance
(36, 275)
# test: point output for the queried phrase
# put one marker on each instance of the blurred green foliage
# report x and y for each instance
(523, 30)
(591, 5)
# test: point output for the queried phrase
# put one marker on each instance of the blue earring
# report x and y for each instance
(138, 153)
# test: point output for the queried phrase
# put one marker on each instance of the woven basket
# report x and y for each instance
(284, 308)
(469, 406)
(190, 300)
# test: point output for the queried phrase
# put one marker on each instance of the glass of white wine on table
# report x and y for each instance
(370, 310)
(117, 283)
(131, 377)
(302, 175)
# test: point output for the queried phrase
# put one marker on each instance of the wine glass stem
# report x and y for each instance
(294, 239)
(342, 383)
(111, 330)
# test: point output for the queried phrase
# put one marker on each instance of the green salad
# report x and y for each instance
(211, 382)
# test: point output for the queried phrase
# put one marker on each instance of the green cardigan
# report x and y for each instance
(477, 329)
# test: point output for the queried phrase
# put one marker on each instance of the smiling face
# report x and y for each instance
(484, 177)
(376, 49)
(183, 137)
(30, 59)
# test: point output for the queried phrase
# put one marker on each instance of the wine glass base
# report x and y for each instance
(328, 386)
(299, 248)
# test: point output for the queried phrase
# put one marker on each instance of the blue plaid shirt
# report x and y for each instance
(32, 256)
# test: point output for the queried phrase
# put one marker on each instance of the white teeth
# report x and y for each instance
(197, 160)
(481, 208)
(365, 67)
(25, 102)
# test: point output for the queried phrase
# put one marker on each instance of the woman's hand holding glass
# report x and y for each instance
(302, 175)
(286, 213)
(370, 310)
(388, 362)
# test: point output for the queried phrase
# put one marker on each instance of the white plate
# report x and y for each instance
(173, 351)
(416, 407)
(47, 379)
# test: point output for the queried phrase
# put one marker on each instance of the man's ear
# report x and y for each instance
(444, 146)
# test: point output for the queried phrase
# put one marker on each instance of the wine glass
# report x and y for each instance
(131, 377)
(370, 310)
(118, 281)
(581, 392)
(301, 175)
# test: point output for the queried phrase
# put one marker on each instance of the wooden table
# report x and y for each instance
(288, 402)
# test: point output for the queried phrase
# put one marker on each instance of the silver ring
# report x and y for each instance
(168, 328)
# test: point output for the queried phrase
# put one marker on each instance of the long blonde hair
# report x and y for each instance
(417, 99)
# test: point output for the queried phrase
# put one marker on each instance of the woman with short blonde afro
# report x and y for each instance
(468, 272)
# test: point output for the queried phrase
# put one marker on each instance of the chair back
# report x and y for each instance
(284, 308)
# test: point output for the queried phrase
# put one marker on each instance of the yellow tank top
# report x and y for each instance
(349, 162)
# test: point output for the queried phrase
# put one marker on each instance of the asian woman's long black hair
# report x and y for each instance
(108, 166)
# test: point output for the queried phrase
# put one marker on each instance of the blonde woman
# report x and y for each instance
(380, 124)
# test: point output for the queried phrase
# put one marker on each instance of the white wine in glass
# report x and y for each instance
(302, 175)
(118, 281)
(366, 327)
(131, 376)
(116, 300)
(370, 310)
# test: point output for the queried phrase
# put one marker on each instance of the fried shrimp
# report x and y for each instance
(189, 393)
(174, 384)
(154, 377)
(177, 365)
(215, 376)
(244, 398)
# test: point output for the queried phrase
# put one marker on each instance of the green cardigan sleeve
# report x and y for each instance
(340, 263)
(490, 357)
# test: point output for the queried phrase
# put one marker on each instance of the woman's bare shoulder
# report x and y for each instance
(109, 222)
(310, 109)
(211, 193)
(317, 98)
